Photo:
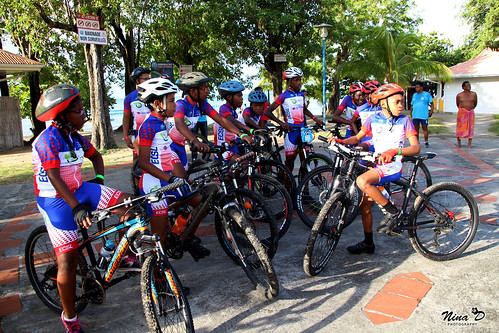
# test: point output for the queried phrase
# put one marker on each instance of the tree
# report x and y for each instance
(483, 15)
(437, 48)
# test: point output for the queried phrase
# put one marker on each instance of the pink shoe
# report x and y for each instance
(72, 326)
(130, 261)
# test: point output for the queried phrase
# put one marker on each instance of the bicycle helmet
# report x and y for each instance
(55, 100)
(257, 96)
(386, 91)
(370, 86)
(155, 88)
(292, 72)
(138, 72)
(230, 88)
(355, 87)
(192, 80)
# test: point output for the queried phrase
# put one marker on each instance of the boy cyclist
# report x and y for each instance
(187, 112)
(63, 198)
(232, 92)
(349, 104)
(253, 115)
(293, 103)
(390, 129)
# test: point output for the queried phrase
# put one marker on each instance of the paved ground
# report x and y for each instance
(393, 290)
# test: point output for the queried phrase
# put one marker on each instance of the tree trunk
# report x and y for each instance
(34, 96)
(102, 130)
(275, 71)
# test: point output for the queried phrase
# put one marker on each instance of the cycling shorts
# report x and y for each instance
(58, 215)
(291, 142)
(150, 183)
(388, 172)
(179, 155)
(422, 122)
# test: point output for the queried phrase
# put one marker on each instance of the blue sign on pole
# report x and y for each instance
(162, 68)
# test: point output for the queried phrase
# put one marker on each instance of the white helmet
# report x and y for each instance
(292, 72)
(154, 88)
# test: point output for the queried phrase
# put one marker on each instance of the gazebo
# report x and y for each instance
(13, 66)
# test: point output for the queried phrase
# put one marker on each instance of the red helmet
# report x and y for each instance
(386, 91)
(370, 86)
(355, 87)
(55, 100)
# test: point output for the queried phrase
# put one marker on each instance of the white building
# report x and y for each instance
(483, 74)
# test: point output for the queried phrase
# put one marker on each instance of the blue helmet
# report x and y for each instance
(257, 96)
(229, 88)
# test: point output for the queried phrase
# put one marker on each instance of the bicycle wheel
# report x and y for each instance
(453, 207)
(324, 235)
(135, 174)
(423, 180)
(276, 197)
(257, 214)
(41, 267)
(165, 305)
(250, 253)
(312, 162)
(281, 173)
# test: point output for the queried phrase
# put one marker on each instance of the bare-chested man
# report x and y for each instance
(466, 102)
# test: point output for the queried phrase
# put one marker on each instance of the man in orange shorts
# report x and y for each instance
(466, 102)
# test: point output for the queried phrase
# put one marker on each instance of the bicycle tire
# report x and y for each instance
(135, 174)
(448, 242)
(41, 267)
(256, 213)
(325, 235)
(281, 173)
(312, 162)
(253, 259)
(276, 196)
(165, 306)
(423, 180)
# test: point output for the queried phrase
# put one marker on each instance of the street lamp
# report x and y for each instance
(323, 33)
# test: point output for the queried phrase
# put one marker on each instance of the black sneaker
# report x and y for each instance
(388, 223)
(361, 247)
(194, 247)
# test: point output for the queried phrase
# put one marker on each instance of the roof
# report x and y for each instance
(11, 63)
(485, 64)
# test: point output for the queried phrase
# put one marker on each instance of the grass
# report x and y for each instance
(494, 128)
(436, 126)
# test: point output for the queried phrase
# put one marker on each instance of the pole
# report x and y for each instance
(324, 80)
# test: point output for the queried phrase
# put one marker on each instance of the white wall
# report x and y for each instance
(486, 88)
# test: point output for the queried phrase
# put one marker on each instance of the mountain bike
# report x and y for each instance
(441, 223)
(165, 306)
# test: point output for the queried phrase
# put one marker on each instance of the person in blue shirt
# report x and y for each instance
(421, 100)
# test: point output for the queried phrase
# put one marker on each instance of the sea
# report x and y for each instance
(116, 113)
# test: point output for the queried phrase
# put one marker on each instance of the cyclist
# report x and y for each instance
(134, 109)
(389, 128)
(63, 198)
(293, 103)
(232, 92)
(187, 112)
(349, 104)
(253, 115)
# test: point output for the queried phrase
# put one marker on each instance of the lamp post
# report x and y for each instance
(323, 33)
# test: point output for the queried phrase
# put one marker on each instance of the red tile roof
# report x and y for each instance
(11, 63)
(485, 64)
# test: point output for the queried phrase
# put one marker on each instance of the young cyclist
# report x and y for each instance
(390, 129)
(187, 112)
(157, 159)
(293, 103)
(63, 198)
(134, 109)
(232, 92)
(349, 104)
(253, 115)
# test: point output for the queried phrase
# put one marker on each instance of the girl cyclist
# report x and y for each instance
(253, 115)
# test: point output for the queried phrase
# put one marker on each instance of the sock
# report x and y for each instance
(70, 320)
(390, 208)
(368, 238)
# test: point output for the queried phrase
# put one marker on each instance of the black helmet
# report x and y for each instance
(55, 100)
(192, 80)
(138, 72)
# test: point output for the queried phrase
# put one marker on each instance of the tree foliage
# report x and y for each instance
(483, 15)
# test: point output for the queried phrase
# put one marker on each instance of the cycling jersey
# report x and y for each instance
(293, 105)
(256, 118)
(221, 134)
(348, 107)
(50, 151)
(189, 111)
(138, 109)
(365, 111)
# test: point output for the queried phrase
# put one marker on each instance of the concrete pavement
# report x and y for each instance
(355, 293)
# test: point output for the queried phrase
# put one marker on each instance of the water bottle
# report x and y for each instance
(105, 254)
(180, 222)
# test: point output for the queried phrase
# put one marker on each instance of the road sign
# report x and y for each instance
(162, 68)
(87, 21)
(184, 69)
(89, 36)
(280, 58)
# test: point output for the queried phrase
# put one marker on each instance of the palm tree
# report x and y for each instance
(389, 57)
